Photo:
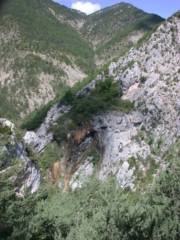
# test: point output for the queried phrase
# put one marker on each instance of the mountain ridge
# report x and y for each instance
(43, 51)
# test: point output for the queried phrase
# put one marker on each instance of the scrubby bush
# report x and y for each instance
(71, 126)
(60, 133)
(37, 119)
(48, 157)
(68, 97)
(5, 129)
(98, 210)
(143, 79)
(33, 157)
(96, 156)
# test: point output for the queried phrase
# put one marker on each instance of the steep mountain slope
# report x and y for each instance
(152, 80)
(46, 47)
(39, 56)
(126, 38)
(128, 142)
(122, 128)
(112, 30)
(101, 26)
(72, 17)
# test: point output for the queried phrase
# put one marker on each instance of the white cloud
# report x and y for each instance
(86, 7)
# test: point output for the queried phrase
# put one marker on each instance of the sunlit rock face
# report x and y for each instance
(150, 77)
(30, 175)
(39, 140)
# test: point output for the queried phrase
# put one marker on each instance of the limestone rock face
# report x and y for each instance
(125, 175)
(6, 122)
(30, 176)
(87, 89)
(39, 140)
(153, 79)
(150, 77)
(115, 139)
(82, 175)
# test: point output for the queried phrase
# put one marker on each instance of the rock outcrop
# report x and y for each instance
(129, 143)
(39, 140)
(150, 76)
(30, 175)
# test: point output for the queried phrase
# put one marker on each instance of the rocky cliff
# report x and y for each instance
(131, 144)
(14, 154)
(150, 77)
(127, 145)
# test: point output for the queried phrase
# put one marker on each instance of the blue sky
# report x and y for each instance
(164, 8)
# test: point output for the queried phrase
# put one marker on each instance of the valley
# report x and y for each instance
(46, 48)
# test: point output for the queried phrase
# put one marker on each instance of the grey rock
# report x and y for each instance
(3, 149)
(82, 175)
(159, 61)
(31, 178)
(178, 104)
(6, 122)
(125, 176)
(31, 175)
(136, 118)
(39, 140)
(89, 87)
(116, 141)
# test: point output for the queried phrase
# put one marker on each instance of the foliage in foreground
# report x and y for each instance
(98, 210)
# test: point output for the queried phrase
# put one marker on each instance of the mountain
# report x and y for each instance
(40, 56)
(104, 162)
(46, 47)
(128, 114)
(113, 30)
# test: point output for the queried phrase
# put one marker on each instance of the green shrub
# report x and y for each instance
(178, 14)
(37, 119)
(143, 79)
(126, 106)
(105, 94)
(106, 71)
(33, 157)
(71, 126)
(108, 89)
(5, 130)
(97, 210)
(48, 157)
(60, 133)
(148, 58)
(68, 97)
(132, 162)
(96, 156)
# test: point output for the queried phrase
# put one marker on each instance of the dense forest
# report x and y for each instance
(98, 210)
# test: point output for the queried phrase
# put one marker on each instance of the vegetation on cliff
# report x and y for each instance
(96, 211)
